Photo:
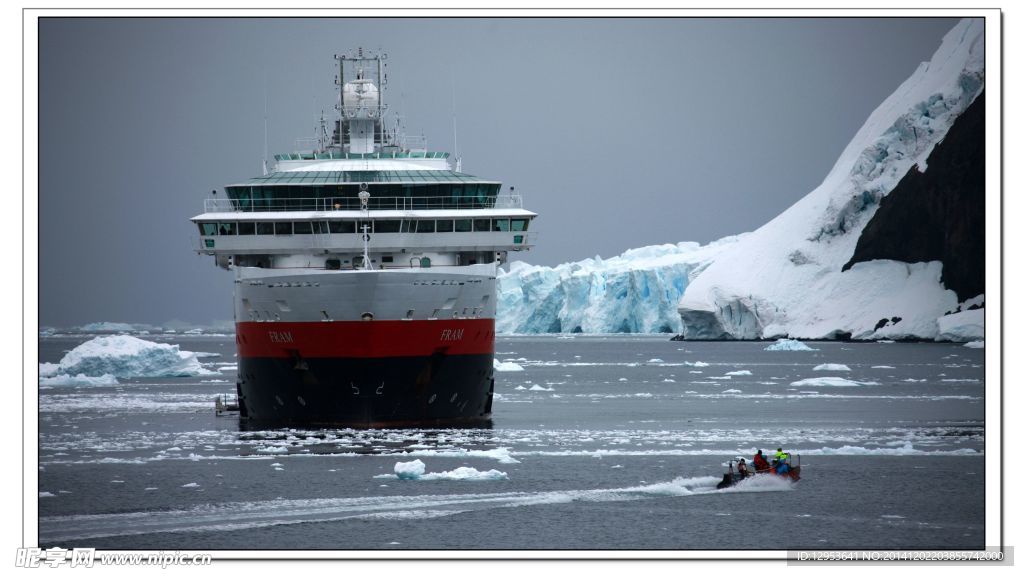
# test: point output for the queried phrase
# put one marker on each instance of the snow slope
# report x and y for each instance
(785, 278)
(637, 291)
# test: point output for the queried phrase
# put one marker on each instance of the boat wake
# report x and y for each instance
(259, 514)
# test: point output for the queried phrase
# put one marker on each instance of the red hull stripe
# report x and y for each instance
(370, 339)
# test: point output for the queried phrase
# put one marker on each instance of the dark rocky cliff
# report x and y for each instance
(938, 214)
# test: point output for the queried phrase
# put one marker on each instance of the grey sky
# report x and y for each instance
(619, 132)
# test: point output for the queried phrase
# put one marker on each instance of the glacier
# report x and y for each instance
(106, 357)
(786, 278)
(636, 292)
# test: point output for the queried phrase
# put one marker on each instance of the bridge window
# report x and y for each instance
(246, 228)
(387, 226)
(303, 227)
(208, 228)
(226, 229)
(500, 225)
(463, 225)
(265, 228)
(282, 228)
(482, 225)
(320, 228)
(520, 224)
(425, 226)
(444, 225)
(342, 226)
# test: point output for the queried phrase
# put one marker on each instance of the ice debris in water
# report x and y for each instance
(975, 344)
(507, 366)
(416, 470)
(832, 381)
(77, 380)
(832, 368)
(129, 357)
(739, 373)
(790, 345)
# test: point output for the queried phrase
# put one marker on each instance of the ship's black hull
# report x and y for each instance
(392, 392)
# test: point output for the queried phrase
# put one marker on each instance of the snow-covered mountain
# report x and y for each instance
(787, 277)
(637, 291)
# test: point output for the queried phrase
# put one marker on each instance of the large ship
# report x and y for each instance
(364, 273)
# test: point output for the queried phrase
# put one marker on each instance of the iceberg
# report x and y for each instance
(795, 276)
(125, 356)
(790, 346)
(635, 292)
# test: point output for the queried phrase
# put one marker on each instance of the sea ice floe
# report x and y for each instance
(832, 381)
(77, 380)
(507, 366)
(975, 344)
(416, 470)
(832, 368)
(739, 373)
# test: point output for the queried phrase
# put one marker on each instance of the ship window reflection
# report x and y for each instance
(500, 225)
(208, 229)
(246, 228)
(387, 226)
(463, 225)
(303, 227)
(342, 226)
(482, 225)
(444, 225)
(226, 229)
(425, 226)
(519, 224)
(282, 228)
(265, 228)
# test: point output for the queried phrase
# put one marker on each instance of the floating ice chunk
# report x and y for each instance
(410, 470)
(78, 380)
(732, 391)
(739, 373)
(697, 364)
(190, 485)
(416, 470)
(975, 344)
(47, 369)
(539, 388)
(507, 366)
(46, 495)
(834, 381)
(832, 368)
(883, 367)
(623, 379)
(655, 361)
(790, 346)
(130, 357)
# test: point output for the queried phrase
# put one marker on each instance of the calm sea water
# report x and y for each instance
(598, 442)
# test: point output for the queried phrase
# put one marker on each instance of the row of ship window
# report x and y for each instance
(352, 226)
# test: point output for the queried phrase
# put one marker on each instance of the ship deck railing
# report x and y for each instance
(349, 203)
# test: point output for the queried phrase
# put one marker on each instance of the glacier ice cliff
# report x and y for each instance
(637, 291)
(787, 279)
